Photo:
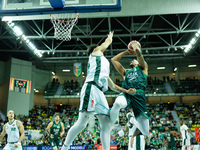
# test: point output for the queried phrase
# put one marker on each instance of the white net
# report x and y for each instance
(63, 25)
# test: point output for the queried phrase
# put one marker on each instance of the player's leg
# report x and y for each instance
(142, 123)
(188, 144)
(119, 103)
(77, 128)
(53, 144)
(105, 125)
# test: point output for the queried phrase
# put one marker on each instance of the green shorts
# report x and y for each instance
(171, 146)
(54, 142)
(137, 103)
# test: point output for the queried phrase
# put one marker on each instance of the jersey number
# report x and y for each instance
(13, 129)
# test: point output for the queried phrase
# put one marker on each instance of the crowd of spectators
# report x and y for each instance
(159, 118)
(189, 113)
(155, 85)
(70, 86)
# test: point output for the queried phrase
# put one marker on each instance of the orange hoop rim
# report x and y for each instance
(64, 20)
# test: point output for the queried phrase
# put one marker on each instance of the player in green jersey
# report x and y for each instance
(56, 132)
(135, 77)
(170, 141)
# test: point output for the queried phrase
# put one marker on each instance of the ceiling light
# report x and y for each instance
(53, 73)
(192, 41)
(66, 70)
(37, 91)
(17, 30)
(160, 67)
(24, 37)
(82, 72)
(192, 65)
(197, 34)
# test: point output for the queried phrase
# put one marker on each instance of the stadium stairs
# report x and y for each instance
(176, 118)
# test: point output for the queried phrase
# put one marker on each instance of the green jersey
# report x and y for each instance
(56, 130)
(171, 140)
(135, 78)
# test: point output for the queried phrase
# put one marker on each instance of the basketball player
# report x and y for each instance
(185, 136)
(139, 142)
(92, 98)
(134, 78)
(55, 132)
(170, 141)
(15, 131)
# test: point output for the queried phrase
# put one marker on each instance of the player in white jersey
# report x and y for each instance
(15, 131)
(185, 136)
(139, 141)
(92, 98)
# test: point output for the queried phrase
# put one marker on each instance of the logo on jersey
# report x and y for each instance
(132, 76)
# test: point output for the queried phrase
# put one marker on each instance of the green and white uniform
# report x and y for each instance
(139, 141)
(92, 98)
(135, 78)
(55, 130)
(185, 135)
(171, 141)
(13, 136)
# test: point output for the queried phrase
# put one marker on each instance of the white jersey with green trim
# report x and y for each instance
(184, 132)
(12, 131)
(98, 71)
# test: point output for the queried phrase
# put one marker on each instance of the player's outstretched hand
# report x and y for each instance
(131, 91)
(112, 137)
(132, 140)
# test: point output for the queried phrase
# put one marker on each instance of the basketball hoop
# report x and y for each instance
(63, 25)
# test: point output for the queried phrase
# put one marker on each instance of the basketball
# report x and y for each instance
(133, 45)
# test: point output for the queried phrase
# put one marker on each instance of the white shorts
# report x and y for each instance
(186, 142)
(138, 143)
(11, 147)
(92, 99)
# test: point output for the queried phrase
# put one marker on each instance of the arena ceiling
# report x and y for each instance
(163, 38)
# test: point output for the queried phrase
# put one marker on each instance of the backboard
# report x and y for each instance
(42, 7)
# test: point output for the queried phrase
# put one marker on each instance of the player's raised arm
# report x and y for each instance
(141, 60)
(105, 44)
(118, 89)
(115, 61)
